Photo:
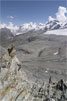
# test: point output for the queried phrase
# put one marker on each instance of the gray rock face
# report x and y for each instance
(2, 51)
(15, 86)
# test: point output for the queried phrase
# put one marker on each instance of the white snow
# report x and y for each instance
(57, 32)
(36, 27)
(55, 53)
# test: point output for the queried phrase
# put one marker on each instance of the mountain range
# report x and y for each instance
(33, 27)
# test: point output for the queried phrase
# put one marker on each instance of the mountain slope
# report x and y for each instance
(15, 85)
(5, 34)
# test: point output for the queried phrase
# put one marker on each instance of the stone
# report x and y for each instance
(15, 86)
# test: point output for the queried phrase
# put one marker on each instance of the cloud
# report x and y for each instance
(2, 25)
(10, 26)
(50, 18)
(11, 17)
(60, 15)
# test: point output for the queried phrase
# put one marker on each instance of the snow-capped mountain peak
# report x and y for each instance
(27, 27)
(54, 24)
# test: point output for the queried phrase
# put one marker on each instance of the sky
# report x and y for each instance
(20, 12)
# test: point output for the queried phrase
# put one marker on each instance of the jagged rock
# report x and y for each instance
(15, 86)
(11, 76)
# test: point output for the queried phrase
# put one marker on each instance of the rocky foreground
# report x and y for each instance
(15, 86)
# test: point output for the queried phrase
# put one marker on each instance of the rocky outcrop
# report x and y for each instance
(12, 79)
(5, 34)
(15, 86)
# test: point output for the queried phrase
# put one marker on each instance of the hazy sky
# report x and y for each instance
(20, 12)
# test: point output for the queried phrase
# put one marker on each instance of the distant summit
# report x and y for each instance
(51, 25)
(31, 27)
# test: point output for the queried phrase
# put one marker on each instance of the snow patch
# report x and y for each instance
(57, 32)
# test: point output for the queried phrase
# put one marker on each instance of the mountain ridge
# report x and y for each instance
(33, 27)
